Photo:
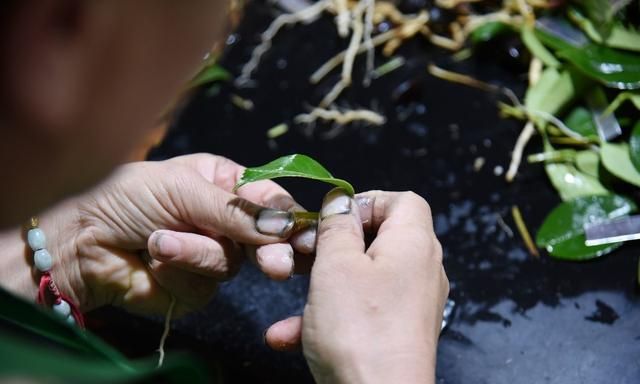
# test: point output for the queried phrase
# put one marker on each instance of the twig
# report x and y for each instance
(524, 232)
(336, 60)
(165, 332)
(347, 66)
(305, 16)
(368, 43)
(342, 17)
(516, 157)
(340, 117)
(504, 225)
(461, 79)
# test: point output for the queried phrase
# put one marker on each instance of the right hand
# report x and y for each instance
(373, 314)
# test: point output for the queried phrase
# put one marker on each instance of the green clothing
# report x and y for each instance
(37, 345)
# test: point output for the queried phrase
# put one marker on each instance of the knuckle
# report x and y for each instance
(335, 227)
(413, 199)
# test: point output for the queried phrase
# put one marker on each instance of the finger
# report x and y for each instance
(394, 208)
(402, 222)
(304, 242)
(285, 335)
(192, 291)
(217, 212)
(339, 231)
(225, 173)
(218, 259)
(274, 260)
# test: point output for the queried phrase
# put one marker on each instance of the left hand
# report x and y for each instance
(156, 229)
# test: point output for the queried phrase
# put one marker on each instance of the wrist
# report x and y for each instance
(412, 365)
(18, 273)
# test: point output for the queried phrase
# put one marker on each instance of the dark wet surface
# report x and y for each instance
(518, 320)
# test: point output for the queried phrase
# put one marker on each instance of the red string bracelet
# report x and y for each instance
(48, 292)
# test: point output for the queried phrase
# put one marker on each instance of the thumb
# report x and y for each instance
(216, 211)
(285, 335)
(340, 233)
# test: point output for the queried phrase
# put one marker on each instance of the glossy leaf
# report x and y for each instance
(580, 120)
(614, 68)
(634, 146)
(617, 160)
(588, 162)
(293, 166)
(572, 183)
(562, 232)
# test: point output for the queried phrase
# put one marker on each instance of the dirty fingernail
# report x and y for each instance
(274, 222)
(335, 202)
(276, 260)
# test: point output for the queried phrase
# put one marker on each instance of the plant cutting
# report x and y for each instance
(295, 165)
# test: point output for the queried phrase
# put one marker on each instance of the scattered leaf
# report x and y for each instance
(572, 183)
(293, 166)
(588, 162)
(554, 90)
(580, 120)
(617, 160)
(537, 49)
(562, 232)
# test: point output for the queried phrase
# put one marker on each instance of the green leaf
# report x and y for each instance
(588, 162)
(614, 68)
(49, 327)
(210, 74)
(562, 232)
(616, 159)
(537, 48)
(634, 146)
(293, 166)
(41, 345)
(580, 120)
(554, 90)
(572, 183)
(489, 31)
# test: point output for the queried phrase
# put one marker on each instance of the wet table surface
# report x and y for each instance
(518, 319)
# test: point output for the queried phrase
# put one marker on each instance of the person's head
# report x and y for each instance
(81, 81)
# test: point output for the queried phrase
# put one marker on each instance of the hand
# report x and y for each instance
(373, 314)
(156, 229)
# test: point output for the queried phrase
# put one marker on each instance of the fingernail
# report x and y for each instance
(305, 240)
(167, 245)
(274, 222)
(276, 260)
(365, 205)
(335, 202)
